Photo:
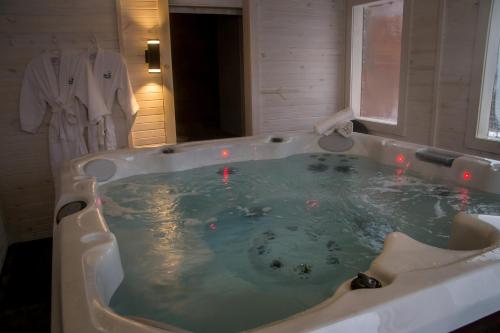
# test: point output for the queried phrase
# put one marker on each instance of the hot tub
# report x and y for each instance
(424, 288)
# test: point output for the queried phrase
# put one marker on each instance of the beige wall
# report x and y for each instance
(300, 80)
(442, 39)
(26, 28)
(456, 75)
(138, 22)
(301, 48)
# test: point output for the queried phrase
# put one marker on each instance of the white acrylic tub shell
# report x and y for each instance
(426, 289)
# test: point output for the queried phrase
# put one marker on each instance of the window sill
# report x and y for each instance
(381, 126)
(485, 145)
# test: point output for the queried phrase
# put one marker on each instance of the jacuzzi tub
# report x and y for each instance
(426, 289)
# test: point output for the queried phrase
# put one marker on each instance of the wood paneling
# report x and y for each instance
(443, 35)
(208, 3)
(27, 28)
(455, 76)
(301, 50)
(423, 57)
(138, 22)
(3, 240)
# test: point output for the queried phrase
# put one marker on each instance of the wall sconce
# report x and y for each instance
(152, 55)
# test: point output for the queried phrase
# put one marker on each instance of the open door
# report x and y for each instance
(207, 64)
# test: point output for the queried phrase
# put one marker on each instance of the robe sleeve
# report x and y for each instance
(125, 95)
(88, 93)
(32, 106)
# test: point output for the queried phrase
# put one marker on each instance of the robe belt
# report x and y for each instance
(63, 120)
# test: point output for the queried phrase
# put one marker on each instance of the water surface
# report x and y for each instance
(231, 247)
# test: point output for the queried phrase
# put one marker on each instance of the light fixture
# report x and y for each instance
(152, 56)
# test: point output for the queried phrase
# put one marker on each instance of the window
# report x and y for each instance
(488, 125)
(376, 52)
(483, 122)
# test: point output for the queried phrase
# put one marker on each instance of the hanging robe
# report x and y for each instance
(112, 79)
(60, 85)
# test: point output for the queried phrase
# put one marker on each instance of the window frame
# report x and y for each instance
(354, 68)
(481, 82)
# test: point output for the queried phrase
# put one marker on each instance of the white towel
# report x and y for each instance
(345, 129)
(334, 121)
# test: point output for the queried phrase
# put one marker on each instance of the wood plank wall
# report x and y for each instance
(301, 47)
(301, 74)
(455, 76)
(441, 46)
(423, 58)
(138, 22)
(27, 28)
(4, 242)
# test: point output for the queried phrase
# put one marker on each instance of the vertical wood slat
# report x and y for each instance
(301, 62)
(138, 21)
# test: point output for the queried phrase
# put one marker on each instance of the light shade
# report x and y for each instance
(152, 56)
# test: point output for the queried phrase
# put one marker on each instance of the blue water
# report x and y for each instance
(231, 247)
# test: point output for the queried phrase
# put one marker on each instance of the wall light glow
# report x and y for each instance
(466, 175)
(224, 153)
(400, 159)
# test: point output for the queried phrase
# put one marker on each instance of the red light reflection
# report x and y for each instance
(464, 198)
(312, 203)
(400, 159)
(225, 175)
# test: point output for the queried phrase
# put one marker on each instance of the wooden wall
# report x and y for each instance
(442, 38)
(3, 240)
(138, 21)
(301, 48)
(460, 19)
(422, 66)
(300, 77)
(27, 28)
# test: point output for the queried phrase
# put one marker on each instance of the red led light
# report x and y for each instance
(225, 175)
(224, 153)
(400, 158)
(466, 175)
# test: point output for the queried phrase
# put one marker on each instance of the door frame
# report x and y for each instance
(250, 63)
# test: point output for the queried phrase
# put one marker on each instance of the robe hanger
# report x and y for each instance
(94, 46)
(55, 48)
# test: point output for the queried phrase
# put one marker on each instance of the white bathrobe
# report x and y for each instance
(112, 79)
(60, 85)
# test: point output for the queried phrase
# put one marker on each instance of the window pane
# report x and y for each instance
(494, 117)
(381, 59)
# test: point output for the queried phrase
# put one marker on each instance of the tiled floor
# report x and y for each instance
(25, 288)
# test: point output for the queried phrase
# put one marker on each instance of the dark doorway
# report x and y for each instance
(208, 76)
